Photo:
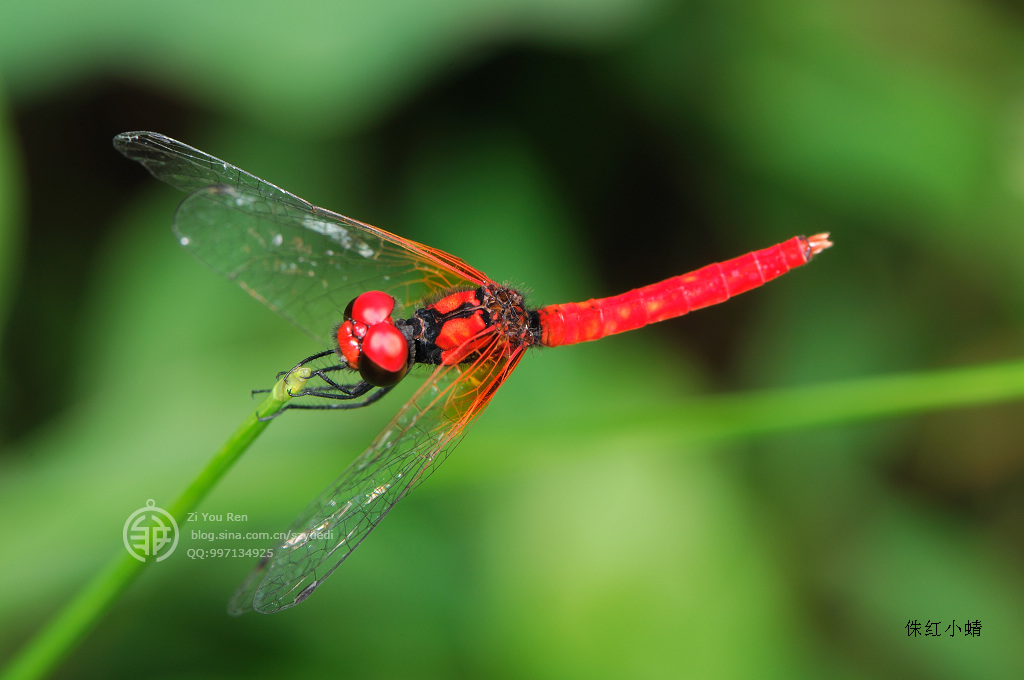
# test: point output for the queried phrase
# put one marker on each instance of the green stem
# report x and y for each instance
(55, 641)
(746, 415)
(742, 415)
(711, 418)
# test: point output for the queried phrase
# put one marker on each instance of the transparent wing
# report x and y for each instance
(307, 263)
(304, 262)
(405, 453)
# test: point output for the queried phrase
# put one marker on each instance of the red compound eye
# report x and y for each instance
(372, 307)
(350, 337)
(385, 357)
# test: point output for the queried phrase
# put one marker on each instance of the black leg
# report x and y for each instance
(340, 407)
(335, 391)
(330, 390)
(318, 355)
(332, 407)
(321, 372)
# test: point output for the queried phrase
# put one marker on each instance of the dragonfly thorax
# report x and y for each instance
(448, 331)
(456, 327)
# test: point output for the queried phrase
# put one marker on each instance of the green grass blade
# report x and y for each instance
(46, 650)
(741, 415)
(717, 418)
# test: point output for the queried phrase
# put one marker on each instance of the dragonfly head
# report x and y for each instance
(371, 343)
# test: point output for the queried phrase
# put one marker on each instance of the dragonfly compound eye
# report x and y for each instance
(350, 339)
(385, 356)
(370, 308)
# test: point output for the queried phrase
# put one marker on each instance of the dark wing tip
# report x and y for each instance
(129, 140)
(142, 147)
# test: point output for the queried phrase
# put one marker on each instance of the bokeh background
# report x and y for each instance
(584, 528)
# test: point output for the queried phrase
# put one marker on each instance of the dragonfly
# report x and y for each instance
(384, 305)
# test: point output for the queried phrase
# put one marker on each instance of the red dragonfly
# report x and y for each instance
(388, 304)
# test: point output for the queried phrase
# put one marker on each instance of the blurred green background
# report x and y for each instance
(584, 528)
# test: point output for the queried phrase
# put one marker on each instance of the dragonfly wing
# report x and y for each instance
(305, 268)
(304, 262)
(405, 453)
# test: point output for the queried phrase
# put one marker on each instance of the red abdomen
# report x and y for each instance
(579, 322)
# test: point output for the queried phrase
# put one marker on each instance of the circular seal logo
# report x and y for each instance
(150, 532)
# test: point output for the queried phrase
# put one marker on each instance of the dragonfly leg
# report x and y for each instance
(320, 372)
(336, 391)
(375, 396)
(318, 355)
(332, 390)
